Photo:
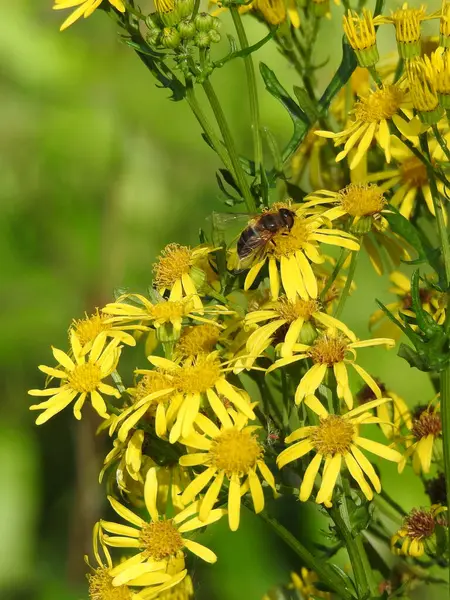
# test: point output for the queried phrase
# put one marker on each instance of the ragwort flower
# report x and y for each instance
(79, 377)
(184, 387)
(336, 439)
(85, 9)
(423, 93)
(414, 536)
(88, 329)
(305, 584)
(101, 586)
(407, 22)
(331, 350)
(371, 114)
(182, 271)
(290, 254)
(229, 453)
(425, 430)
(289, 316)
(361, 34)
(160, 542)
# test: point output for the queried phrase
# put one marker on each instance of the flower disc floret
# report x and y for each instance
(361, 34)
(197, 339)
(199, 376)
(173, 263)
(379, 105)
(235, 451)
(418, 530)
(101, 587)
(329, 350)
(361, 200)
(85, 378)
(413, 171)
(333, 436)
(428, 423)
(297, 309)
(161, 540)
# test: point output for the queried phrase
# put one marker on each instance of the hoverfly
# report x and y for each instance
(260, 231)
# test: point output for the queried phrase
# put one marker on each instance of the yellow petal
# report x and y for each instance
(357, 474)
(331, 472)
(294, 452)
(234, 503)
(309, 478)
(204, 553)
(256, 491)
(210, 497)
(125, 513)
(378, 449)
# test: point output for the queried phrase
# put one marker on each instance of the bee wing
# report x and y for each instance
(226, 227)
(253, 249)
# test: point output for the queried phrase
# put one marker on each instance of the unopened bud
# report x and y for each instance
(204, 22)
(170, 38)
(187, 29)
(214, 36)
(153, 36)
(216, 23)
(202, 39)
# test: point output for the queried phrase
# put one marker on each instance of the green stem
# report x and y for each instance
(323, 571)
(440, 214)
(355, 549)
(206, 126)
(229, 144)
(441, 141)
(252, 88)
(348, 284)
(445, 418)
(374, 73)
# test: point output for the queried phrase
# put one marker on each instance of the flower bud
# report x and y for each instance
(170, 38)
(167, 334)
(153, 21)
(361, 34)
(203, 22)
(216, 24)
(362, 226)
(187, 29)
(184, 8)
(202, 39)
(166, 12)
(198, 276)
(321, 7)
(153, 36)
(308, 333)
(444, 25)
(214, 36)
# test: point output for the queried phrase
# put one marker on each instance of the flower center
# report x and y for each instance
(413, 171)
(161, 539)
(235, 452)
(328, 350)
(334, 435)
(198, 377)
(165, 311)
(89, 328)
(101, 587)
(290, 310)
(153, 381)
(428, 423)
(286, 243)
(360, 200)
(379, 105)
(173, 262)
(85, 378)
(419, 524)
(197, 339)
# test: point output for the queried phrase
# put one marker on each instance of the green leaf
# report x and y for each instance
(245, 51)
(342, 75)
(306, 104)
(424, 320)
(405, 229)
(413, 358)
(299, 118)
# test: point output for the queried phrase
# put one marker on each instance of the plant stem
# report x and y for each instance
(332, 278)
(230, 146)
(374, 73)
(348, 284)
(441, 141)
(440, 215)
(252, 88)
(445, 418)
(206, 126)
(323, 571)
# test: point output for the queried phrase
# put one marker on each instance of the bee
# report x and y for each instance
(261, 231)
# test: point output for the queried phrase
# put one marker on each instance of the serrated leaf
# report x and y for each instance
(413, 358)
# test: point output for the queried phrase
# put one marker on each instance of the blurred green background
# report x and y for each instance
(98, 172)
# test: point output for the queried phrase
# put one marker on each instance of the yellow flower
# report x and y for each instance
(361, 34)
(159, 542)
(304, 583)
(432, 301)
(85, 9)
(438, 69)
(288, 318)
(370, 117)
(337, 439)
(291, 253)
(393, 414)
(89, 328)
(272, 11)
(444, 25)
(187, 386)
(229, 453)
(101, 586)
(181, 591)
(160, 313)
(411, 178)
(363, 203)
(330, 350)
(79, 378)
(183, 271)
(197, 339)
(407, 22)
(423, 93)
(413, 538)
(426, 428)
